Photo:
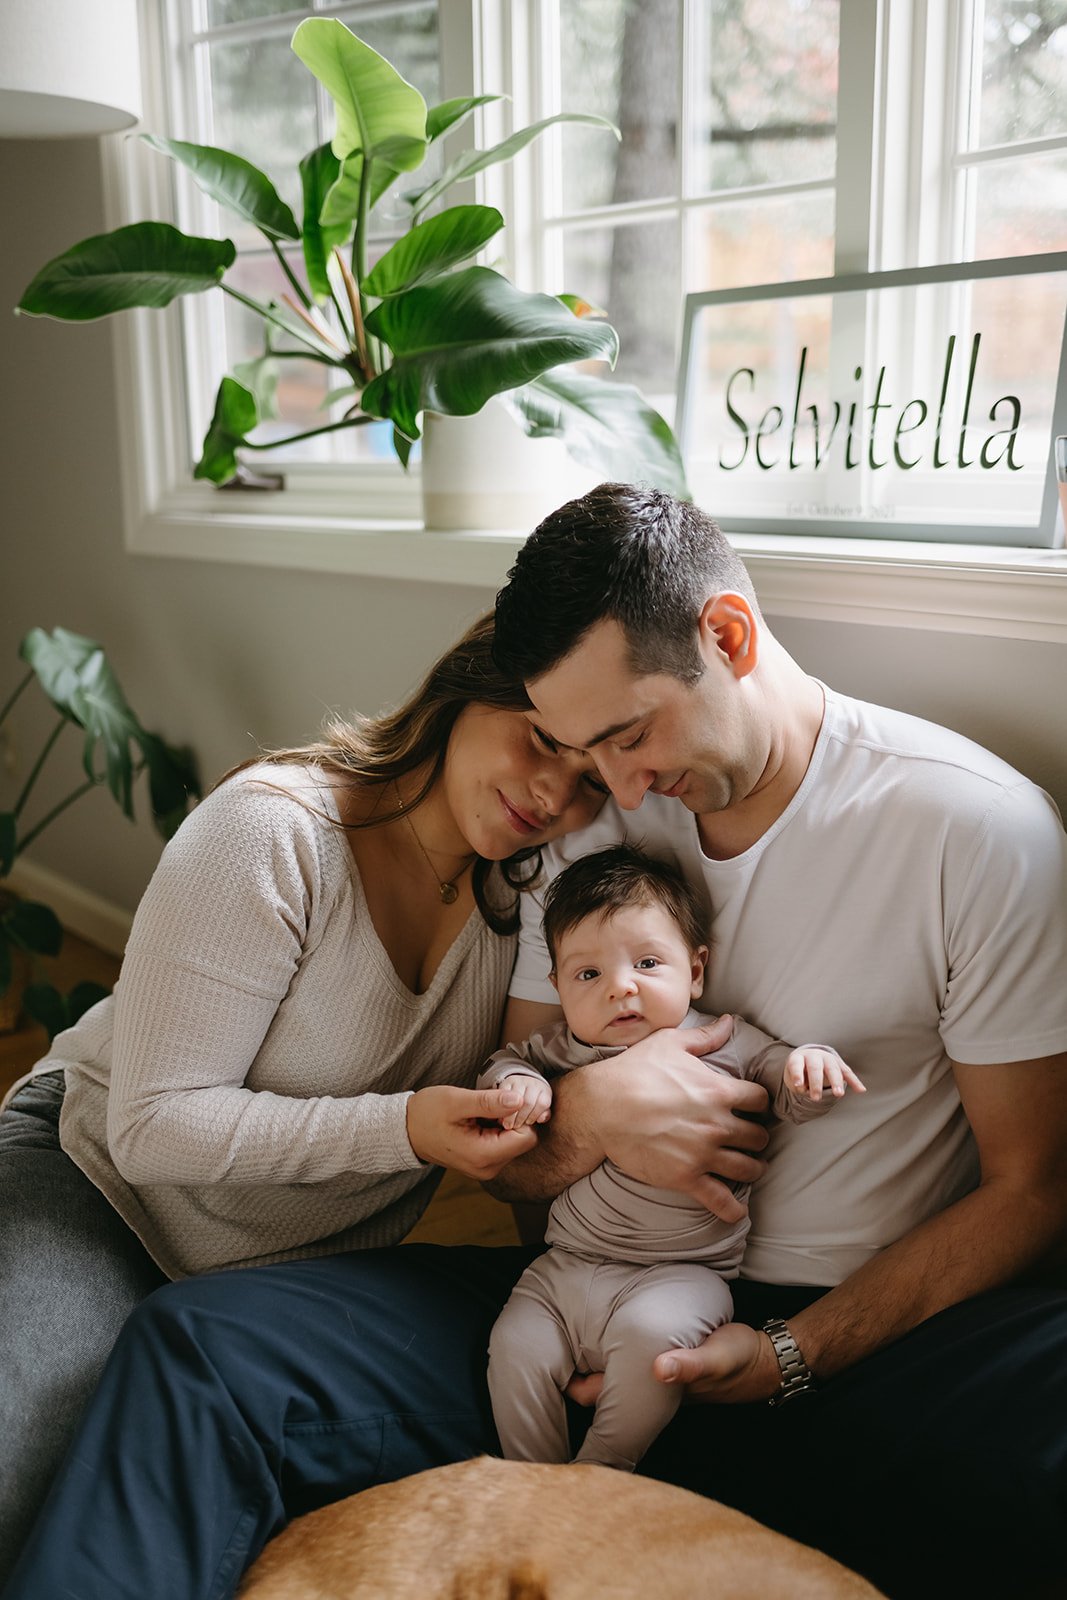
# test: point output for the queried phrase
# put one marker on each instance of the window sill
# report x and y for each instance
(973, 589)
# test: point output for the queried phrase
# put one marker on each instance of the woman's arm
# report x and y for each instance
(237, 905)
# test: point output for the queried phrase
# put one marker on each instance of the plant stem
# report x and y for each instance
(342, 319)
(90, 783)
(359, 260)
(38, 764)
(27, 680)
(359, 332)
(312, 433)
(269, 316)
(304, 355)
(291, 275)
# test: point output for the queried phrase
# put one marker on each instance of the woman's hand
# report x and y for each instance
(446, 1127)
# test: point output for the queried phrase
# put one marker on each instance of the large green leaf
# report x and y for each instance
(77, 677)
(234, 183)
(44, 1003)
(334, 397)
(378, 111)
(319, 171)
(146, 264)
(467, 337)
(33, 927)
(607, 426)
(59, 659)
(55, 1011)
(236, 414)
(341, 206)
(403, 447)
(261, 377)
(433, 247)
(99, 705)
(8, 841)
(472, 161)
(450, 113)
(172, 781)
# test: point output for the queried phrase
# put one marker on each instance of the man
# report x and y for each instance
(894, 890)
(872, 883)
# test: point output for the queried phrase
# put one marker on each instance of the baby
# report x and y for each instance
(631, 1270)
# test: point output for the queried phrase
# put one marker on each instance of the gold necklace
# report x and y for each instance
(446, 887)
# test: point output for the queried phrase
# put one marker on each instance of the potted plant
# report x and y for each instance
(423, 331)
(77, 678)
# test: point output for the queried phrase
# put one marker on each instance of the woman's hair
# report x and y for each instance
(609, 880)
(377, 751)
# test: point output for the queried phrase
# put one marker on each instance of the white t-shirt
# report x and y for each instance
(910, 908)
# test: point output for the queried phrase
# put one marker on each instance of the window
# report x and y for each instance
(764, 140)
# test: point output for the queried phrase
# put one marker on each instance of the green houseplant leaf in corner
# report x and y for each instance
(78, 679)
(424, 329)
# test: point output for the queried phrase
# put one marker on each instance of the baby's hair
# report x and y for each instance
(607, 881)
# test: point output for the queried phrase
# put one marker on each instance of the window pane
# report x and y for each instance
(620, 60)
(634, 273)
(408, 41)
(302, 385)
(769, 96)
(1024, 70)
(220, 12)
(761, 241)
(263, 107)
(1020, 206)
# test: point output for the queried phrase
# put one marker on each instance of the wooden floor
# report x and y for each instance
(460, 1212)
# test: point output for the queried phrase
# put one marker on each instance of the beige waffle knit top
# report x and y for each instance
(242, 1096)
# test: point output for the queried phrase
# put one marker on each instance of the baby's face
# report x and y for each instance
(623, 976)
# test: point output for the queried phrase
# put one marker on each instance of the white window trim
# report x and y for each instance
(977, 590)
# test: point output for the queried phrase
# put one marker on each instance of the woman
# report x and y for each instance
(320, 959)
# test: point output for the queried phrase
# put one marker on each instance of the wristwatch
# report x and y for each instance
(796, 1374)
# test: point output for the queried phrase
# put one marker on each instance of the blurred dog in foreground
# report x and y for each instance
(511, 1530)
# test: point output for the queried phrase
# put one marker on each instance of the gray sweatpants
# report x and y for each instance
(569, 1313)
(71, 1271)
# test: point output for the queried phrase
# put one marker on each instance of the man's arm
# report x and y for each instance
(1013, 1221)
(655, 1110)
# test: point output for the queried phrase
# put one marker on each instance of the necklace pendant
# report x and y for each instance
(449, 893)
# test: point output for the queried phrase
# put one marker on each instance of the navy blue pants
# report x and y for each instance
(236, 1401)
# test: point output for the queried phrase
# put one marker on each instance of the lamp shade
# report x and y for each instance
(68, 67)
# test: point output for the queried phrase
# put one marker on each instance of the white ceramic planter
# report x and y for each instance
(483, 472)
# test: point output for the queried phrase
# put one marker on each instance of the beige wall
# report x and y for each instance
(227, 658)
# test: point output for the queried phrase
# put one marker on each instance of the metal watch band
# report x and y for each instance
(796, 1374)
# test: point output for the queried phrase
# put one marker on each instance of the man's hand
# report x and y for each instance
(734, 1366)
(668, 1121)
(535, 1104)
(446, 1128)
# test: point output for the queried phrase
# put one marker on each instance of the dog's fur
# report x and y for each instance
(510, 1530)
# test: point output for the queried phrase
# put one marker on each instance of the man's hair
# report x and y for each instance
(622, 553)
(609, 880)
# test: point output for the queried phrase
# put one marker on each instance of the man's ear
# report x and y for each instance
(729, 624)
(700, 961)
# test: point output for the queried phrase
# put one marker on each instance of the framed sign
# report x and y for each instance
(919, 404)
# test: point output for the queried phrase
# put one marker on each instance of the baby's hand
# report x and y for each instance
(536, 1100)
(813, 1067)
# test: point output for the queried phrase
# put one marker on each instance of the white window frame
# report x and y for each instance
(977, 589)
